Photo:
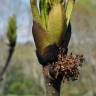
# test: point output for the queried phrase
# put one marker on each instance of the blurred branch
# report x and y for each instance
(11, 35)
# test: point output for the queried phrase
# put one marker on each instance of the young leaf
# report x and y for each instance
(69, 8)
(11, 31)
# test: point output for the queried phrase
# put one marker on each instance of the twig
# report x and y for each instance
(10, 53)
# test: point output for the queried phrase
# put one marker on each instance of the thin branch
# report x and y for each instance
(11, 51)
(11, 35)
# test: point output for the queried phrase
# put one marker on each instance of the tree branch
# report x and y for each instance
(11, 50)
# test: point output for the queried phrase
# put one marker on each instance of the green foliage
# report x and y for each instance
(35, 11)
(11, 30)
(45, 6)
(69, 8)
(56, 27)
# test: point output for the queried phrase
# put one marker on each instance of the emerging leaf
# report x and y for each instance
(57, 23)
(69, 8)
(11, 31)
(50, 25)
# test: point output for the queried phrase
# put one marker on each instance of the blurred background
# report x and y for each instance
(24, 75)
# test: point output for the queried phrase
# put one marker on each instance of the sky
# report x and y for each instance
(26, 2)
(21, 8)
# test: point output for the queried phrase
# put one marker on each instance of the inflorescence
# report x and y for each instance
(67, 66)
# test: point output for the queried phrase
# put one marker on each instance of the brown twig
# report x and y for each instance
(10, 53)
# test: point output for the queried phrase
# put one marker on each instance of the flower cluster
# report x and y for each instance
(67, 66)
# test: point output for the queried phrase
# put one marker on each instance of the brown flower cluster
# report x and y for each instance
(68, 66)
